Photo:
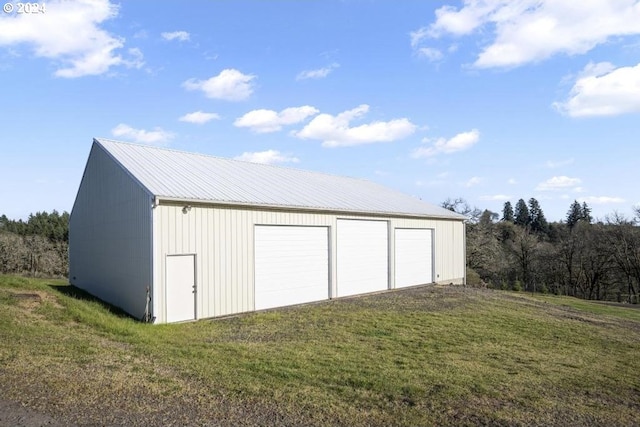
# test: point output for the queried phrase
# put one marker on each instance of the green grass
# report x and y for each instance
(625, 311)
(423, 356)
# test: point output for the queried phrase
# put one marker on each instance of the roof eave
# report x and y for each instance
(219, 203)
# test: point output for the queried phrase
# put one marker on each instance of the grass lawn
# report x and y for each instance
(421, 356)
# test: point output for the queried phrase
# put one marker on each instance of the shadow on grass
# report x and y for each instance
(82, 295)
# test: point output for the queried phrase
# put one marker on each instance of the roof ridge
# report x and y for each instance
(193, 153)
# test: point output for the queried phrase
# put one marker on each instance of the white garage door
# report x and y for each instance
(362, 257)
(414, 258)
(180, 279)
(291, 265)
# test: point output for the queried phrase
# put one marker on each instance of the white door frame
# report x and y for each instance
(194, 287)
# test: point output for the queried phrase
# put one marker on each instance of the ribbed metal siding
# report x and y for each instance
(222, 238)
(449, 251)
(110, 235)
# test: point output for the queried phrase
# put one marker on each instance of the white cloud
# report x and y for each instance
(601, 200)
(317, 74)
(475, 180)
(533, 30)
(141, 34)
(603, 90)
(70, 34)
(335, 131)
(496, 198)
(459, 22)
(558, 183)
(156, 136)
(136, 60)
(459, 142)
(264, 121)
(418, 35)
(199, 117)
(267, 157)
(432, 54)
(230, 85)
(182, 36)
(512, 181)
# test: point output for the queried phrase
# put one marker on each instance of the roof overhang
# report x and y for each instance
(163, 200)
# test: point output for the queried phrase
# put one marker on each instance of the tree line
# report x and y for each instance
(580, 257)
(36, 247)
(517, 249)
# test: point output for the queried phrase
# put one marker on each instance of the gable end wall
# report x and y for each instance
(110, 235)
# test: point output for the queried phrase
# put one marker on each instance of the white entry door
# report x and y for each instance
(414, 257)
(291, 265)
(363, 256)
(181, 287)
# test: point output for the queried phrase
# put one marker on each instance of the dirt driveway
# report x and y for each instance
(15, 415)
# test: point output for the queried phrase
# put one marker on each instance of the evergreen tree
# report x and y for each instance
(53, 226)
(586, 213)
(487, 218)
(577, 213)
(521, 213)
(537, 221)
(574, 214)
(507, 212)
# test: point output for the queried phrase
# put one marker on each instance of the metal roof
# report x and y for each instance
(179, 175)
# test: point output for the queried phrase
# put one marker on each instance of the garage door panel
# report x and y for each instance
(413, 257)
(362, 257)
(291, 265)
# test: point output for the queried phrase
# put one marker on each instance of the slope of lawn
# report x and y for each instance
(421, 356)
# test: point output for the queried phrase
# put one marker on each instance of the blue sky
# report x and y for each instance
(489, 100)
